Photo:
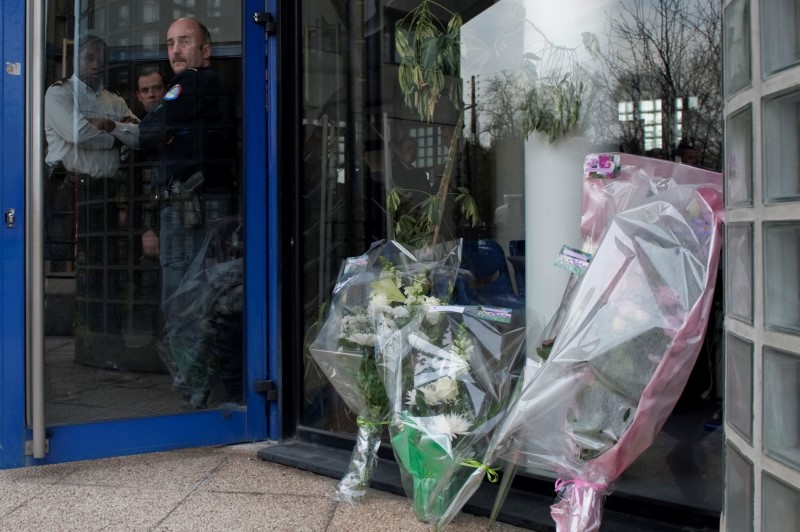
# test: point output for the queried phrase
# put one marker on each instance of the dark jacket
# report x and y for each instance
(193, 129)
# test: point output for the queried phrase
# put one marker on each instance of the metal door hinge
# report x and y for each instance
(11, 218)
(267, 387)
(262, 17)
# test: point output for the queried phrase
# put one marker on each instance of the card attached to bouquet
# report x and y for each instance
(498, 314)
(603, 165)
(350, 267)
(573, 260)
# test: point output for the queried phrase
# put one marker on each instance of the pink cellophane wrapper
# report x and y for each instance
(629, 338)
(639, 178)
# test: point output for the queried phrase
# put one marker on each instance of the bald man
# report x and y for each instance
(192, 135)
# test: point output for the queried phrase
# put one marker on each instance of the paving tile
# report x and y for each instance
(385, 511)
(14, 496)
(92, 508)
(378, 511)
(235, 512)
(252, 475)
(176, 471)
(49, 474)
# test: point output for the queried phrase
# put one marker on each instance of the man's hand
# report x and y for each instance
(150, 243)
(103, 124)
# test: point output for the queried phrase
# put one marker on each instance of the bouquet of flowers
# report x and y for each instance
(449, 374)
(624, 350)
(375, 293)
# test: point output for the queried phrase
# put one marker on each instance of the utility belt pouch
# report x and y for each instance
(182, 194)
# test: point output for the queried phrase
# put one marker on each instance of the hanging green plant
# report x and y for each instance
(552, 109)
(430, 52)
(430, 55)
(553, 97)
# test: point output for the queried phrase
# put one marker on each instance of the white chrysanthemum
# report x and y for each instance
(450, 424)
(412, 300)
(411, 397)
(379, 304)
(444, 390)
(362, 339)
(400, 312)
(433, 318)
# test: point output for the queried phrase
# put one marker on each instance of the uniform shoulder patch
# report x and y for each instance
(174, 92)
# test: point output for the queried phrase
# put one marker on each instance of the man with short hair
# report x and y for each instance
(150, 88)
(84, 123)
(192, 135)
(85, 127)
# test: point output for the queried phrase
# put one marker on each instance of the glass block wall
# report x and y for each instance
(762, 264)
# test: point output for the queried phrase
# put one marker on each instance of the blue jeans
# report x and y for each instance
(200, 340)
(178, 246)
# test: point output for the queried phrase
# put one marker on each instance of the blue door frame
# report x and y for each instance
(120, 437)
(12, 240)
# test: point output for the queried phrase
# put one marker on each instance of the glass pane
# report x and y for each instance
(781, 139)
(782, 267)
(738, 492)
(737, 46)
(780, 34)
(367, 132)
(120, 339)
(739, 385)
(782, 406)
(739, 158)
(739, 271)
(780, 505)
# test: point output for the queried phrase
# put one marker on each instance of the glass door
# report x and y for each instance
(137, 288)
(426, 120)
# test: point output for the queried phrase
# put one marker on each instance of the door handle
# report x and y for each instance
(11, 218)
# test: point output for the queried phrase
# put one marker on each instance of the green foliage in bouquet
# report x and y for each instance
(369, 382)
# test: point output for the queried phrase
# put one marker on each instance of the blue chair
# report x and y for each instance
(483, 277)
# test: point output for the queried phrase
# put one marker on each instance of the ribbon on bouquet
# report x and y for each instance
(364, 422)
(578, 483)
(491, 474)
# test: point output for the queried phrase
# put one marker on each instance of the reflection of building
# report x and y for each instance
(649, 114)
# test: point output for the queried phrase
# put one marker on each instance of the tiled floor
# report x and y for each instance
(208, 489)
(684, 465)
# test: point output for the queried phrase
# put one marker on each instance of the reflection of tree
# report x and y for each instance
(500, 105)
(667, 50)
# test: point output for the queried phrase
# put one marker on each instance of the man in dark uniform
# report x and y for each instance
(191, 135)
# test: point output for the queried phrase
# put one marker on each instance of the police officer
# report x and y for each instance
(191, 135)
(85, 126)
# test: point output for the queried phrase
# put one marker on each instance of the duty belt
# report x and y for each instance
(180, 190)
(57, 171)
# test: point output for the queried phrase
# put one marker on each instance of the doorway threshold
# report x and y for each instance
(528, 502)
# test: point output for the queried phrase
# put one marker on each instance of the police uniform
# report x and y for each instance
(193, 130)
(191, 139)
